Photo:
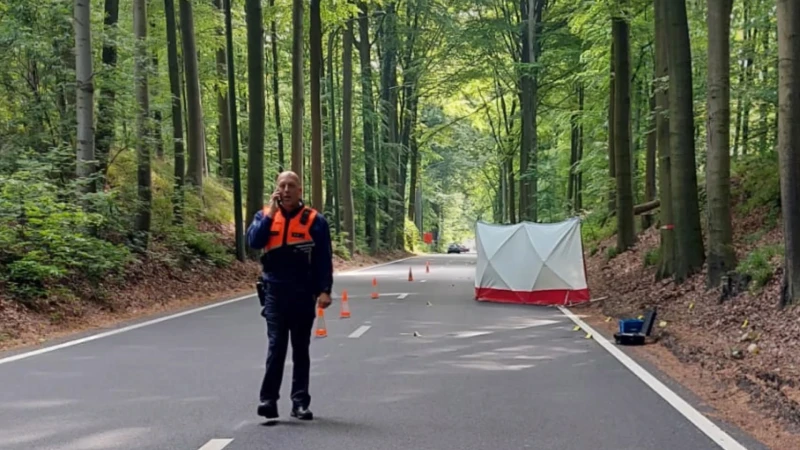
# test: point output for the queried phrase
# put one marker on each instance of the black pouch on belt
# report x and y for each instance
(261, 291)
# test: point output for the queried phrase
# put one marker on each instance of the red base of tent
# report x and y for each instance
(545, 297)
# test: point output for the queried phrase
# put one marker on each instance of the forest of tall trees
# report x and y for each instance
(138, 139)
(136, 126)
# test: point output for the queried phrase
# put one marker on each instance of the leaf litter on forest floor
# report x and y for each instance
(740, 354)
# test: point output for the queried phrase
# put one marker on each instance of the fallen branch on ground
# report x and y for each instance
(637, 210)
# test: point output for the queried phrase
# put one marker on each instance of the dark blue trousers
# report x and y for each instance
(290, 313)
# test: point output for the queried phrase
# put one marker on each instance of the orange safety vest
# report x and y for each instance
(291, 233)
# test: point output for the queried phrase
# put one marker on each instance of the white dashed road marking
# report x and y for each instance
(359, 331)
(402, 296)
(216, 444)
(469, 334)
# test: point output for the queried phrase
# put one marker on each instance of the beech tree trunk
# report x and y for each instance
(104, 136)
(388, 107)
(196, 134)
(346, 189)
(275, 90)
(177, 111)
(336, 192)
(721, 255)
(257, 106)
(224, 119)
(85, 167)
(789, 142)
(688, 233)
(233, 136)
(527, 136)
(579, 172)
(315, 44)
(650, 161)
(298, 86)
(612, 173)
(368, 114)
(158, 138)
(142, 58)
(573, 160)
(626, 231)
(666, 266)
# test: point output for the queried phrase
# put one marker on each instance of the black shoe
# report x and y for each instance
(268, 409)
(302, 413)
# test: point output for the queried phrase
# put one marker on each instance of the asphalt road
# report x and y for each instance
(422, 367)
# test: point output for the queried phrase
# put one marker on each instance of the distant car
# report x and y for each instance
(456, 248)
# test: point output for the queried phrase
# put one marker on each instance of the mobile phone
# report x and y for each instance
(278, 199)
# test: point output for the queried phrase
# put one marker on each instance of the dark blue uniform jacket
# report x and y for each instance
(321, 257)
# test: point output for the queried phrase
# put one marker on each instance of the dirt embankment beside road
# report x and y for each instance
(738, 354)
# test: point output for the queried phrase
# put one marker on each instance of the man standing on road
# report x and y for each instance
(297, 273)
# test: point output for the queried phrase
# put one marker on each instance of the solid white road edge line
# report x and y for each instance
(216, 444)
(105, 334)
(119, 330)
(709, 428)
(402, 296)
(359, 331)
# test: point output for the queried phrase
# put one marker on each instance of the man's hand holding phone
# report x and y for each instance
(274, 202)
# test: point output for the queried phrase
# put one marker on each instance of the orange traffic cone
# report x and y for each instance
(322, 330)
(374, 288)
(345, 311)
(410, 276)
(427, 267)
